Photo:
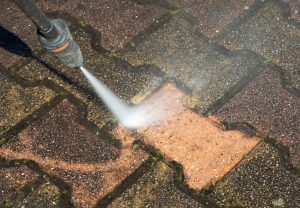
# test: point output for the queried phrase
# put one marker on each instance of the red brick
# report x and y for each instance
(65, 149)
(213, 16)
(205, 150)
(269, 108)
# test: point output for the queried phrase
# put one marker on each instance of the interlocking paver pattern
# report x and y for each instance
(90, 180)
(117, 21)
(213, 16)
(269, 34)
(155, 188)
(209, 73)
(237, 60)
(268, 107)
(17, 102)
(261, 180)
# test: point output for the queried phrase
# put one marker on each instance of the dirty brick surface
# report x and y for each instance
(177, 52)
(261, 180)
(17, 102)
(117, 21)
(237, 60)
(213, 16)
(205, 150)
(155, 188)
(281, 47)
(64, 148)
(17, 34)
(272, 110)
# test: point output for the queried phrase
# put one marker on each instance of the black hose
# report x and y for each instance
(38, 17)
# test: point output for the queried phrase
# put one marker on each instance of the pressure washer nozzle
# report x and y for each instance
(63, 46)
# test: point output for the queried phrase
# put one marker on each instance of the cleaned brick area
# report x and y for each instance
(205, 150)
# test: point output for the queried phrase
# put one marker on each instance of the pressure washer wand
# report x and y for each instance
(54, 35)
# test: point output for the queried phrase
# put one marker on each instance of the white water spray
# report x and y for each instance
(130, 116)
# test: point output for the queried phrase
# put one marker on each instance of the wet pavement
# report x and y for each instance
(223, 77)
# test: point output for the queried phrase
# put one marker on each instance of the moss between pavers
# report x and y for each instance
(261, 180)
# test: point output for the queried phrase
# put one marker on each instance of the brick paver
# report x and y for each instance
(12, 179)
(214, 50)
(261, 180)
(17, 102)
(45, 142)
(177, 52)
(122, 78)
(17, 34)
(269, 34)
(213, 16)
(118, 22)
(155, 188)
(205, 150)
(272, 110)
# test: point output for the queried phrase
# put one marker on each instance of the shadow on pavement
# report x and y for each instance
(12, 43)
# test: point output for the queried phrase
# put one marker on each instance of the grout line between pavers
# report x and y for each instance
(175, 81)
(252, 11)
(65, 198)
(145, 167)
(143, 35)
(283, 154)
